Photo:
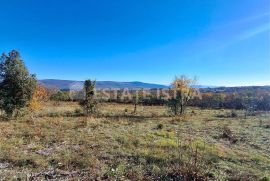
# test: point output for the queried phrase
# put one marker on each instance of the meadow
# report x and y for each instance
(206, 144)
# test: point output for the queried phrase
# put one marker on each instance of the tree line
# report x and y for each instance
(20, 92)
(257, 99)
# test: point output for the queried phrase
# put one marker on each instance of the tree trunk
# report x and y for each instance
(135, 108)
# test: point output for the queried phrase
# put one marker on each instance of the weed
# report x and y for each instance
(234, 114)
(160, 126)
(228, 134)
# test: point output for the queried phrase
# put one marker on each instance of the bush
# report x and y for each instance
(125, 111)
(160, 126)
(60, 96)
(228, 134)
(89, 104)
(78, 111)
(234, 114)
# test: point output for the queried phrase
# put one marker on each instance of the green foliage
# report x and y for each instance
(89, 104)
(78, 111)
(160, 126)
(265, 179)
(17, 86)
(60, 96)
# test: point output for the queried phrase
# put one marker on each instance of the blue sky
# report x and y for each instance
(222, 42)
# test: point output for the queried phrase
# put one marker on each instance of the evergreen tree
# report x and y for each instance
(89, 104)
(17, 85)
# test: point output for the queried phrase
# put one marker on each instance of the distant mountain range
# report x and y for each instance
(78, 85)
(243, 89)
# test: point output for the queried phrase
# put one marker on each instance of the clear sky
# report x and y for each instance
(222, 42)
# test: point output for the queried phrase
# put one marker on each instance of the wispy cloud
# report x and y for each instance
(235, 32)
(255, 31)
(249, 19)
(250, 26)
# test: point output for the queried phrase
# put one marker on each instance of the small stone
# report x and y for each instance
(4, 165)
(46, 152)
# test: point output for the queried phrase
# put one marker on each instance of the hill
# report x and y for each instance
(77, 85)
(235, 89)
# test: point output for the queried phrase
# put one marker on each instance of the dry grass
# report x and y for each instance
(117, 145)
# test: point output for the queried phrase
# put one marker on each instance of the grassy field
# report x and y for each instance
(150, 145)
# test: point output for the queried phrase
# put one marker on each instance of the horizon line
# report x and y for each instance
(163, 84)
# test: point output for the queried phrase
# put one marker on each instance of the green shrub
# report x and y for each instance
(125, 111)
(78, 112)
(60, 96)
(265, 179)
(160, 126)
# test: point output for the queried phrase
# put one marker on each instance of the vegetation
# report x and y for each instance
(17, 85)
(60, 96)
(89, 104)
(71, 139)
(250, 101)
(182, 93)
(151, 145)
(205, 100)
(39, 97)
(137, 98)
